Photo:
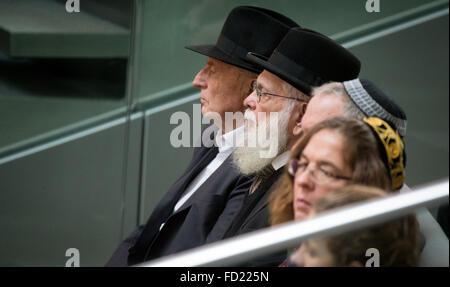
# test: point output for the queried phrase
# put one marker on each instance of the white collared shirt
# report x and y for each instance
(281, 160)
(225, 143)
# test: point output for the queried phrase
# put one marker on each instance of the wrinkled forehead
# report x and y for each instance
(322, 107)
(220, 65)
(269, 82)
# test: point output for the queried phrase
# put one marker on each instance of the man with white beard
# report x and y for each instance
(263, 141)
(304, 59)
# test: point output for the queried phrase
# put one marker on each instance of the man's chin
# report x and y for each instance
(205, 111)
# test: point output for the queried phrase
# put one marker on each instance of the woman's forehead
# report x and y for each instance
(326, 146)
(325, 141)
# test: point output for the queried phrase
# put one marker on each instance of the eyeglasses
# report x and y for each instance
(259, 93)
(319, 175)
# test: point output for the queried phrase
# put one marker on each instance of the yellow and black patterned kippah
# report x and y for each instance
(394, 148)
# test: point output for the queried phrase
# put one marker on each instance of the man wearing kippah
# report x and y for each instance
(210, 191)
(361, 98)
(356, 99)
(282, 89)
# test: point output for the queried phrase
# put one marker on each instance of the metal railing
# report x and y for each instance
(263, 242)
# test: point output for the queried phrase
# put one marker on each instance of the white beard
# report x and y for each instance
(253, 158)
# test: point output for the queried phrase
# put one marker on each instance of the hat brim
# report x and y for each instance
(266, 65)
(216, 53)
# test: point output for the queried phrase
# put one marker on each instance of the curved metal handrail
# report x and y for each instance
(262, 242)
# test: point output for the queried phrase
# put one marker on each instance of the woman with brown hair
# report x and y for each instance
(392, 243)
(334, 154)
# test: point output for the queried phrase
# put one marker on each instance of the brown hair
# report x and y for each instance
(362, 155)
(397, 241)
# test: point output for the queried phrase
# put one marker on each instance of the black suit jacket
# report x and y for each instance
(212, 206)
(254, 215)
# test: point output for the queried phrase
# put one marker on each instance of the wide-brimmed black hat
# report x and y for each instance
(374, 102)
(247, 29)
(307, 59)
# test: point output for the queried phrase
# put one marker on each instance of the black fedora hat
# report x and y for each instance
(247, 29)
(307, 59)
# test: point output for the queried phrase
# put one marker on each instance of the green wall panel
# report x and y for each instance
(133, 175)
(43, 28)
(413, 67)
(163, 163)
(70, 195)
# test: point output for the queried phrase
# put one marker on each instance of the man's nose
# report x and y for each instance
(200, 80)
(251, 101)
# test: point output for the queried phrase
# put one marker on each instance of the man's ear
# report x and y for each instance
(298, 121)
(297, 129)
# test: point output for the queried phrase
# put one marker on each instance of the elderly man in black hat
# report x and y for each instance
(210, 191)
(304, 59)
(361, 98)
